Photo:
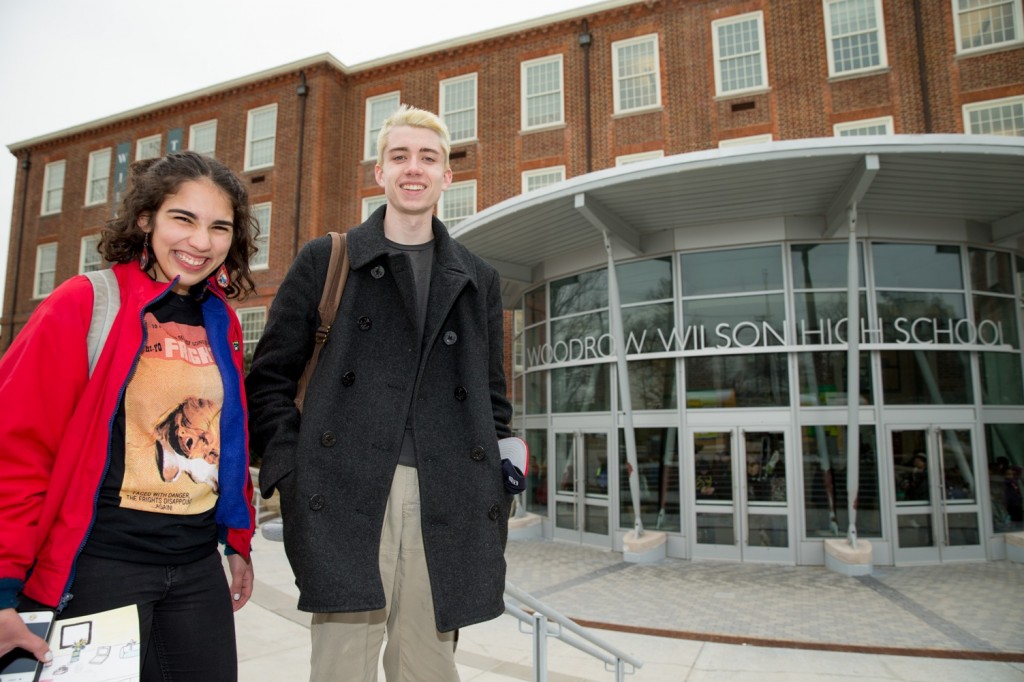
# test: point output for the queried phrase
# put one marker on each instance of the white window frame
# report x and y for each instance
(371, 204)
(148, 147)
(442, 206)
(883, 58)
(89, 259)
(525, 96)
(445, 112)
(195, 130)
(371, 127)
(98, 176)
(852, 128)
(1018, 26)
(552, 175)
(37, 280)
(261, 259)
(248, 340)
(627, 159)
(744, 141)
(251, 139)
(619, 45)
(762, 54)
(53, 187)
(968, 109)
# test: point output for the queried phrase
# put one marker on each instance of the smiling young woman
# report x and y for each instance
(120, 486)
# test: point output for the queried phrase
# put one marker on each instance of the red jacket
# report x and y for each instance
(55, 430)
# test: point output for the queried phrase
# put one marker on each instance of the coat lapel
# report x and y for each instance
(453, 269)
(452, 272)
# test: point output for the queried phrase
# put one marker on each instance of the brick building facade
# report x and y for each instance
(604, 85)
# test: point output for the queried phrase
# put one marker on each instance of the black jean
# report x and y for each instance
(186, 622)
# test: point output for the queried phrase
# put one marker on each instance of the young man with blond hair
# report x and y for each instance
(395, 512)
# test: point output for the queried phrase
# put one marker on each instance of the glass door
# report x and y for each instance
(741, 495)
(935, 494)
(581, 490)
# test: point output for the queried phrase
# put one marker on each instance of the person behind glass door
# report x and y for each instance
(914, 483)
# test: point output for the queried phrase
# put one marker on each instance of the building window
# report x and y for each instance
(637, 82)
(826, 500)
(147, 148)
(1005, 462)
(743, 141)
(261, 260)
(740, 62)
(458, 107)
(260, 137)
(868, 126)
(202, 137)
(995, 117)
(90, 260)
(377, 111)
(253, 321)
(53, 187)
(856, 36)
(46, 270)
(993, 300)
(982, 24)
(457, 203)
(542, 177)
(627, 159)
(99, 177)
(542, 92)
(371, 204)
(923, 281)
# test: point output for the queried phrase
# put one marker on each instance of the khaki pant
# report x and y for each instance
(346, 646)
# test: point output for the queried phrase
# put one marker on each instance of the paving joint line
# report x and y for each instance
(580, 580)
(929, 617)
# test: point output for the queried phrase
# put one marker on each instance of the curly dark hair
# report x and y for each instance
(150, 182)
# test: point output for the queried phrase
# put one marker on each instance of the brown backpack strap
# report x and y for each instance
(334, 287)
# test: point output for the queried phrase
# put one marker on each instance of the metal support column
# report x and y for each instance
(626, 398)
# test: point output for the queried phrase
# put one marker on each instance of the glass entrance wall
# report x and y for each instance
(1005, 463)
(657, 454)
(763, 329)
(826, 500)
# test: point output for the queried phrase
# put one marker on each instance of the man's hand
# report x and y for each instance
(241, 580)
(15, 634)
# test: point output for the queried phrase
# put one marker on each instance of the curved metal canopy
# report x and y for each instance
(977, 179)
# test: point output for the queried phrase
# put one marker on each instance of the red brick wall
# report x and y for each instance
(800, 101)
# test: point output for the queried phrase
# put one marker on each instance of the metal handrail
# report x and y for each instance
(614, 658)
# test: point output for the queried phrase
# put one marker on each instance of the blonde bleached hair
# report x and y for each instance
(407, 115)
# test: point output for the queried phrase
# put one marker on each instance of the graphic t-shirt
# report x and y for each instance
(157, 501)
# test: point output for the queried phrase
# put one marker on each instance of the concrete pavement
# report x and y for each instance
(704, 621)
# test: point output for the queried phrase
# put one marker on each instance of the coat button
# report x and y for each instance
(364, 323)
(316, 503)
(348, 378)
(450, 338)
(493, 512)
(477, 453)
(377, 272)
(328, 439)
(461, 393)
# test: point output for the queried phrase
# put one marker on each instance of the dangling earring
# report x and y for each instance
(223, 279)
(144, 256)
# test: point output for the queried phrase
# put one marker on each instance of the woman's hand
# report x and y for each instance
(241, 580)
(15, 634)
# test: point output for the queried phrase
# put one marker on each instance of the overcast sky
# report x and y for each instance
(68, 62)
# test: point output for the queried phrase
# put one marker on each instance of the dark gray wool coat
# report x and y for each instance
(334, 465)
